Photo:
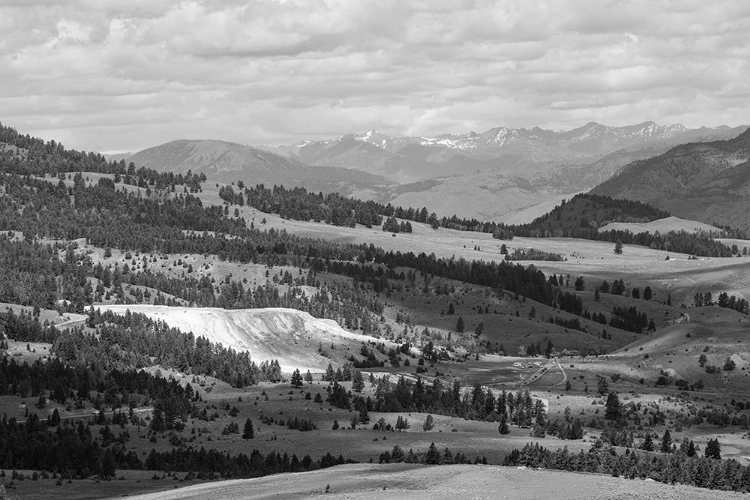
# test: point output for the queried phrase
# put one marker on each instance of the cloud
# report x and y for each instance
(113, 75)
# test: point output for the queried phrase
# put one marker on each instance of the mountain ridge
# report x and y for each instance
(704, 181)
(229, 162)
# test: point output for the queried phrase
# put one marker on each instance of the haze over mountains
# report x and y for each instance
(228, 162)
(505, 173)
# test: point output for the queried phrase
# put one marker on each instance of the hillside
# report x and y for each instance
(289, 336)
(419, 482)
(706, 181)
(586, 212)
(228, 162)
(662, 226)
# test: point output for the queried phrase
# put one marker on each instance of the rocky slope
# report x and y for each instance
(292, 337)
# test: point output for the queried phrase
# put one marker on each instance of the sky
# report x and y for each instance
(124, 75)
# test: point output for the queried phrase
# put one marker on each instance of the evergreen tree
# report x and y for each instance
(248, 432)
(460, 325)
(648, 443)
(713, 449)
(108, 465)
(618, 247)
(503, 426)
(579, 284)
(691, 451)
(602, 386)
(358, 381)
(432, 457)
(612, 411)
(308, 377)
(296, 378)
(402, 423)
(666, 442)
(576, 431)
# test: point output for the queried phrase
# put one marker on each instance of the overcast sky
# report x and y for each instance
(123, 75)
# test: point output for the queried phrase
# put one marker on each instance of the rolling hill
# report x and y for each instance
(409, 481)
(704, 181)
(228, 162)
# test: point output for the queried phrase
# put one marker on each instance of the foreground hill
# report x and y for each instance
(290, 336)
(228, 162)
(705, 181)
(369, 481)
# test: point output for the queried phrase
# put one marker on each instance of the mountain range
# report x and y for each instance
(409, 159)
(228, 162)
(501, 174)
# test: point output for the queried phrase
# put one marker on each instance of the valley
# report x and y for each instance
(174, 335)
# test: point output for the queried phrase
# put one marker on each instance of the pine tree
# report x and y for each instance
(602, 386)
(308, 377)
(108, 465)
(460, 325)
(713, 449)
(503, 427)
(248, 432)
(433, 455)
(666, 442)
(648, 443)
(612, 411)
(618, 248)
(402, 423)
(691, 451)
(358, 381)
(296, 378)
(576, 432)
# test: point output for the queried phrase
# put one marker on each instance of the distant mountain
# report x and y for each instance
(227, 162)
(704, 181)
(118, 156)
(497, 175)
(410, 159)
(503, 171)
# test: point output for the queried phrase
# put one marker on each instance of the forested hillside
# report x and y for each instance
(705, 181)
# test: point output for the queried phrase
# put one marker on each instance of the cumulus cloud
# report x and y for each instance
(113, 75)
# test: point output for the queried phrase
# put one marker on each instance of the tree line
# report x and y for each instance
(702, 472)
